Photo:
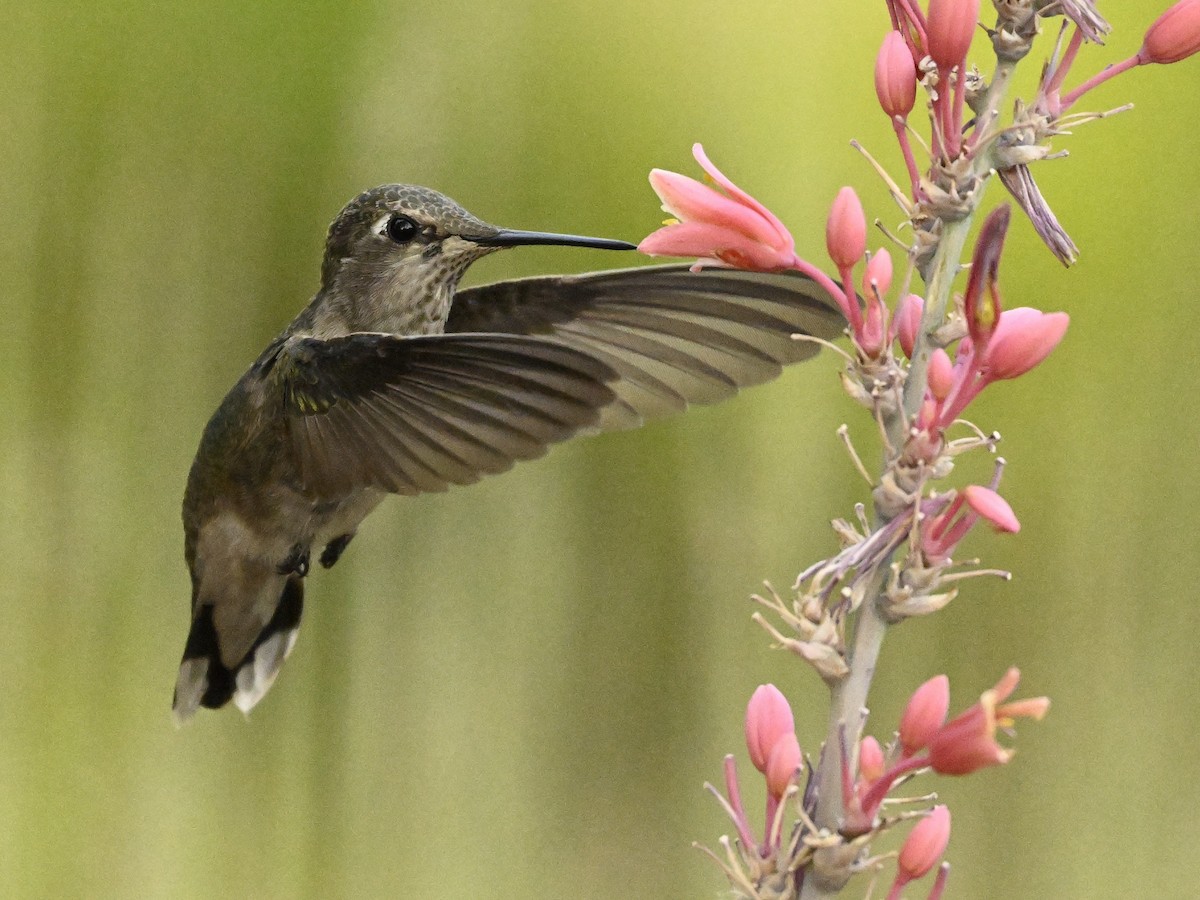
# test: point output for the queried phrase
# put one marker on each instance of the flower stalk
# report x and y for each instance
(916, 365)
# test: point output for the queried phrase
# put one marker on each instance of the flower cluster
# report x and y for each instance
(918, 358)
(925, 742)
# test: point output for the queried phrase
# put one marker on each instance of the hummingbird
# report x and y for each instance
(393, 381)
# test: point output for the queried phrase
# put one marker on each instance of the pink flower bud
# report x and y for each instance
(1022, 339)
(878, 278)
(731, 227)
(940, 374)
(992, 507)
(908, 322)
(870, 759)
(846, 230)
(768, 718)
(924, 714)
(782, 764)
(895, 76)
(1175, 35)
(950, 27)
(967, 743)
(925, 844)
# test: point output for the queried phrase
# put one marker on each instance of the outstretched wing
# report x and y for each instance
(415, 414)
(673, 336)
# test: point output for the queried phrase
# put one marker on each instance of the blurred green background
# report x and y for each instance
(518, 689)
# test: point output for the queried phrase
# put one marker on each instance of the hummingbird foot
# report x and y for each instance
(296, 562)
(335, 548)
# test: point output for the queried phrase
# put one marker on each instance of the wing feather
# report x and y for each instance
(415, 415)
(673, 336)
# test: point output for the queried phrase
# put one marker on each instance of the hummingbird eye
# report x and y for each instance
(402, 229)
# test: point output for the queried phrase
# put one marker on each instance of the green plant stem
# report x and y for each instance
(937, 297)
(848, 698)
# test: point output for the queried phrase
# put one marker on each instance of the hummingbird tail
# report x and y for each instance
(205, 679)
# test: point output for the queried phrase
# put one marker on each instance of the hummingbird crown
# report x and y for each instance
(378, 220)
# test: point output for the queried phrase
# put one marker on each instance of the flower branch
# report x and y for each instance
(917, 363)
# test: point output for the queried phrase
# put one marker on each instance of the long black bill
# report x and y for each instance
(506, 237)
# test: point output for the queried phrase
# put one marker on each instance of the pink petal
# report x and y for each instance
(784, 236)
(1022, 339)
(1003, 689)
(924, 714)
(992, 507)
(733, 248)
(692, 201)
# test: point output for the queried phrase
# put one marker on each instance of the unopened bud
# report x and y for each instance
(908, 322)
(924, 714)
(895, 76)
(1175, 35)
(768, 718)
(951, 25)
(940, 374)
(925, 844)
(846, 230)
(870, 759)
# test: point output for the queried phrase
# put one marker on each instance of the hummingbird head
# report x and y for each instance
(400, 247)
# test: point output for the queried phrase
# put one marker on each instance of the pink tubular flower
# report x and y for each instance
(951, 25)
(1175, 35)
(941, 533)
(924, 714)
(730, 227)
(768, 718)
(968, 742)
(895, 76)
(1022, 339)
